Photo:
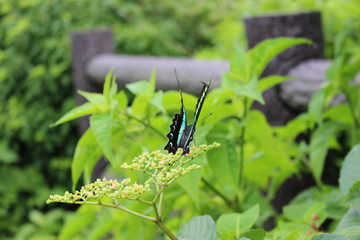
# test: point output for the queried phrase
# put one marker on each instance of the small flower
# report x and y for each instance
(143, 159)
(153, 164)
(134, 165)
(104, 179)
(162, 162)
(113, 185)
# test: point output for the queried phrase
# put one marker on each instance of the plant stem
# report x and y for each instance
(118, 207)
(222, 196)
(161, 203)
(167, 231)
(242, 143)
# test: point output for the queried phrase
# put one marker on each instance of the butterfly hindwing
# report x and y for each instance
(173, 135)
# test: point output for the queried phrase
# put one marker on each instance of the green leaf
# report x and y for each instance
(80, 111)
(352, 232)
(87, 150)
(190, 183)
(95, 98)
(350, 219)
(327, 236)
(353, 197)
(122, 100)
(198, 228)
(113, 88)
(264, 52)
(157, 101)
(350, 170)
(100, 123)
(223, 160)
(85, 215)
(254, 234)
(316, 106)
(104, 225)
(270, 81)
(294, 235)
(238, 65)
(106, 88)
(319, 147)
(295, 212)
(250, 89)
(237, 222)
(139, 87)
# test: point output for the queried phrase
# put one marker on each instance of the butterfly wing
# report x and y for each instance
(173, 135)
(177, 127)
(190, 130)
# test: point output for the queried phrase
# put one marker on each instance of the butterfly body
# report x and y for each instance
(181, 134)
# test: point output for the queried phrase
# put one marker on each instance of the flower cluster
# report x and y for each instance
(101, 188)
(163, 169)
(166, 168)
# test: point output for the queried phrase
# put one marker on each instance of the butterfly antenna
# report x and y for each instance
(178, 83)
(203, 119)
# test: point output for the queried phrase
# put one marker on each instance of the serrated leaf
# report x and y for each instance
(350, 170)
(237, 222)
(80, 111)
(319, 148)
(87, 150)
(198, 228)
(264, 52)
(100, 124)
(327, 236)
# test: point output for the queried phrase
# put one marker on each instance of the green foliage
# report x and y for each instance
(35, 73)
(35, 64)
(114, 128)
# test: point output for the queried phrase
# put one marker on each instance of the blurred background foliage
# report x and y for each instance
(36, 83)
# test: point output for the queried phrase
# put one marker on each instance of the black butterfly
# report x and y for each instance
(181, 134)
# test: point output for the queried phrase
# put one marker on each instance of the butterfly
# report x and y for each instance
(181, 134)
